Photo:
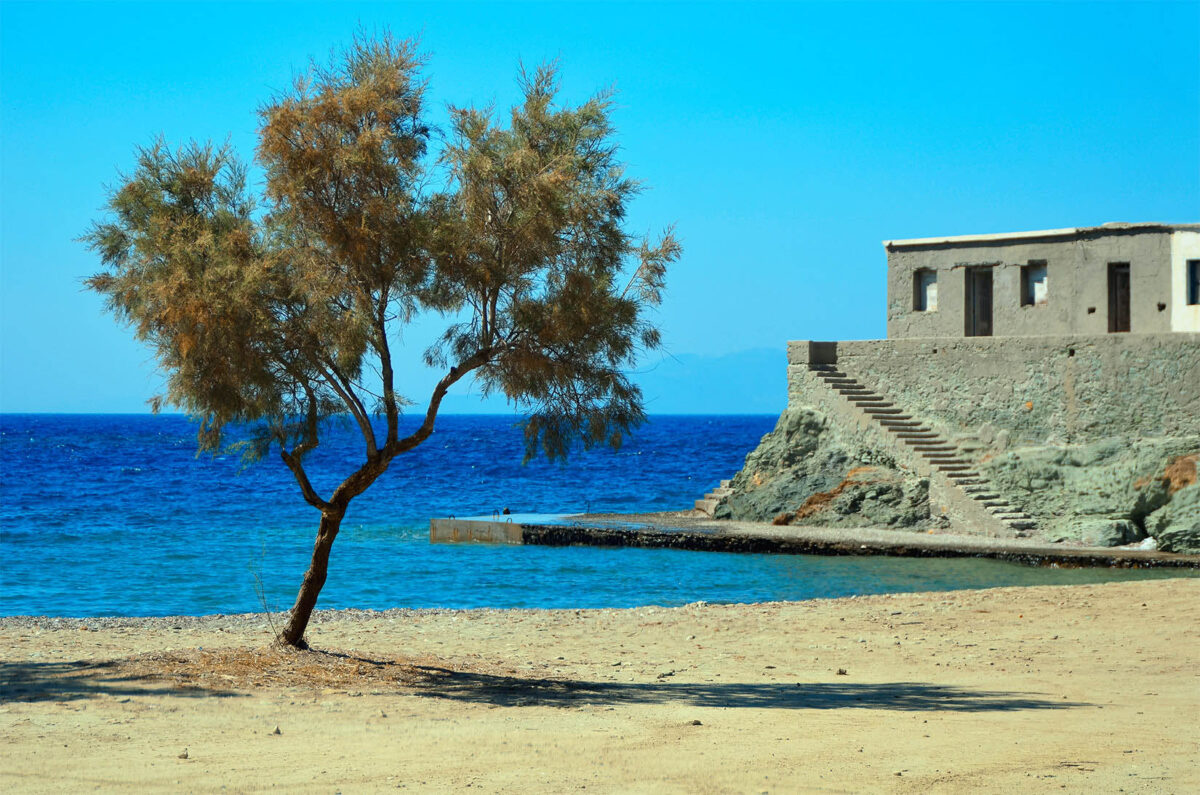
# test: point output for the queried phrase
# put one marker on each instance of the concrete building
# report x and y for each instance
(1142, 278)
(1033, 383)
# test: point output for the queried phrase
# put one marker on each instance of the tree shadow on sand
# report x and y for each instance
(76, 679)
(510, 691)
(201, 677)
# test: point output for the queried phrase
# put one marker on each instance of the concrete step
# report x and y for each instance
(993, 504)
(884, 411)
(982, 494)
(901, 425)
(935, 448)
(871, 402)
(964, 473)
(1022, 524)
(941, 455)
(708, 506)
(913, 434)
(726, 484)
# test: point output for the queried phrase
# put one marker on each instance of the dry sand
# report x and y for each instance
(1082, 688)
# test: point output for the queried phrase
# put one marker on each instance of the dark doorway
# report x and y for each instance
(1118, 296)
(979, 302)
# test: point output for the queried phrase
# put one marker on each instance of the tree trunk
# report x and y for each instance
(293, 632)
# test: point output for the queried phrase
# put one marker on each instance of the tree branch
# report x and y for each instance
(294, 458)
(387, 376)
(345, 390)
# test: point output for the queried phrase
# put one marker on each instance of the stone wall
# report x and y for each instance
(1010, 391)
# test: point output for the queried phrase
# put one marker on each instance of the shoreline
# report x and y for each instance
(1082, 687)
(686, 530)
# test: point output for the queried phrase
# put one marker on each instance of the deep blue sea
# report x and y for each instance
(116, 515)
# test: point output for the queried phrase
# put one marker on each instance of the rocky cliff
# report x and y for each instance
(807, 471)
(1112, 492)
(810, 471)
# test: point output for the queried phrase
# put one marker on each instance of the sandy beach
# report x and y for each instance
(1082, 688)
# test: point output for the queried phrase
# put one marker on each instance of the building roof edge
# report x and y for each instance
(1041, 233)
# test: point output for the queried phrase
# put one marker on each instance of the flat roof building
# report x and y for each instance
(1092, 280)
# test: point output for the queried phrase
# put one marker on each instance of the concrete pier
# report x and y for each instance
(687, 532)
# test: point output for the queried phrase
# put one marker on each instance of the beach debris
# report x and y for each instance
(184, 755)
(697, 723)
(382, 714)
(276, 730)
(841, 672)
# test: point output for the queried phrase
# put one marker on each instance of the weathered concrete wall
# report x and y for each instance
(1022, 390)
(457, 530)
(1076, 262)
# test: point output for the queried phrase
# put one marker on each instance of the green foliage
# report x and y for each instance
(531, 242)
(280, 313)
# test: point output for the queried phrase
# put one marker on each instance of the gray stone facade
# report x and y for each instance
(1070, 389)
(1090, 281)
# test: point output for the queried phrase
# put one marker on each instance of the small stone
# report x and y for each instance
(841, 672)
(276, 731)
(184, 755)
(697, 723)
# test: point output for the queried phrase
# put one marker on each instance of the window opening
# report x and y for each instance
(1193, 282)
(925, 290)
(1034, 287)
(1118, 296)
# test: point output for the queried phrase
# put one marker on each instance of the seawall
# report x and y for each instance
(1009, 391)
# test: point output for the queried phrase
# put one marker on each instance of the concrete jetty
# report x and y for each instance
(687, 531)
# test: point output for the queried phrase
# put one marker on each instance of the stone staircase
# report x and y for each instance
(943, 458)
(713, 498)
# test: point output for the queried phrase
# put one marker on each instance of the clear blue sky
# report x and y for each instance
(785, 140)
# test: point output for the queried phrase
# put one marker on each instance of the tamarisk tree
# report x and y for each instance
(280, 311)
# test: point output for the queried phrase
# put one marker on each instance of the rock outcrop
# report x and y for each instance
(808, 472)
(1108, 493)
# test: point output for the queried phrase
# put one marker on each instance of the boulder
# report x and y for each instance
(807, 471)
(1112, 492)
(1176, 527)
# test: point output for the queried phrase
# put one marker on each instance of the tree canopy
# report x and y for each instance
(280, 310)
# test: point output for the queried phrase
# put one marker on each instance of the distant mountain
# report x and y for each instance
(747, 382)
